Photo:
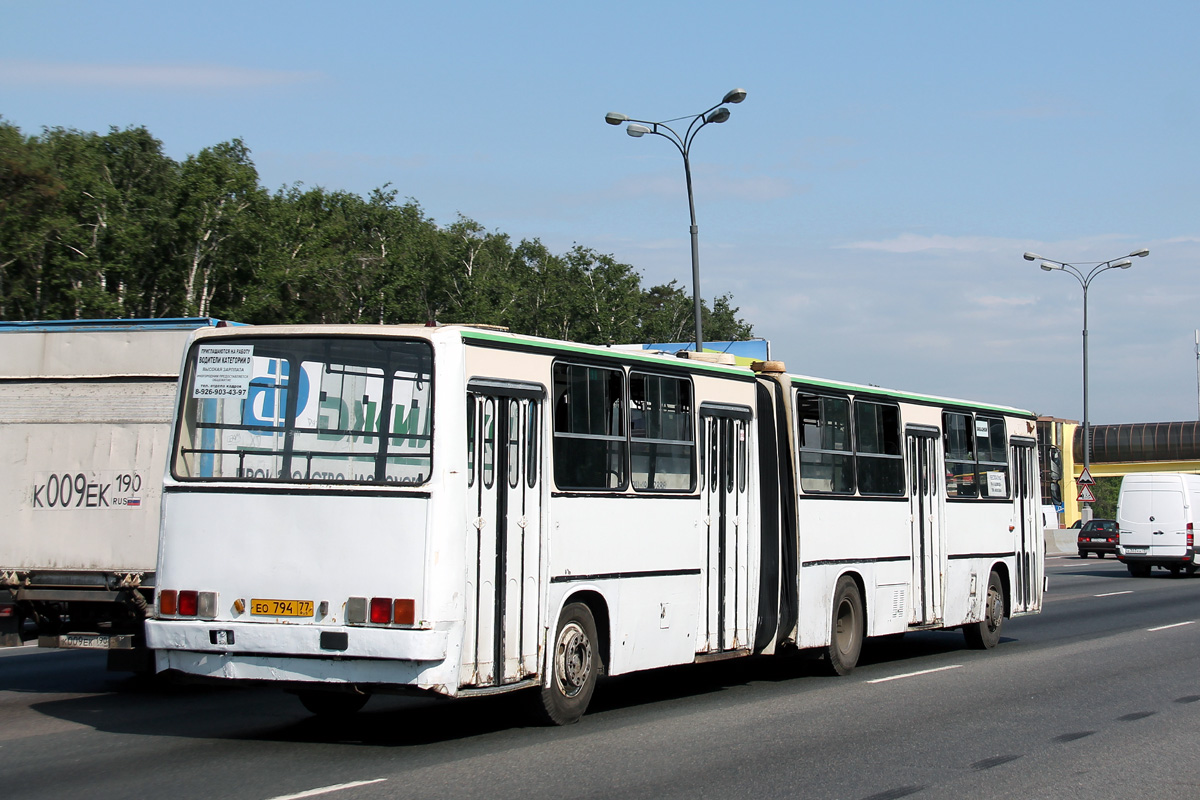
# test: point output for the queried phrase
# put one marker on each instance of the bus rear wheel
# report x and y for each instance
(846, 635)
(574, 667)
(985, 634)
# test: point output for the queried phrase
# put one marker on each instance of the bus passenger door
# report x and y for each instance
(725, 603)
(500, 641)
(1027, 530)
(924, 473)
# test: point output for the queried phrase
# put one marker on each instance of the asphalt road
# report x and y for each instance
(1098, 697)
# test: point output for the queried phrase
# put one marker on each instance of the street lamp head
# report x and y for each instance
(636, 130)
(615, 118)
(735, 96)
(1123, 264)
(1049, 267)
(1032, 256)
(1140, 253)
(720, 115)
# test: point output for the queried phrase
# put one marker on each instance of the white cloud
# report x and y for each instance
(145, 76)
(914, 243)
(991, 301)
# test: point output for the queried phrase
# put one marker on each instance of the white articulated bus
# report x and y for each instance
(361, 509)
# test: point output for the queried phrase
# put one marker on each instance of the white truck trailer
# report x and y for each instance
(85, 411)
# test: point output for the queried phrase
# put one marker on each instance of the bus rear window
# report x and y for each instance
(306, 409)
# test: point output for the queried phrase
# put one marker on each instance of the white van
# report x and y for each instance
(1155, 514)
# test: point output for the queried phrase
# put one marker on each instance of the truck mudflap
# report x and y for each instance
(89, 641)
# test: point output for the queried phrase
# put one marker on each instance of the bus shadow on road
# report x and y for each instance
(154, 707)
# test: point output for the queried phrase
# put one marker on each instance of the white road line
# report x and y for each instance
(327, 789)
(1176, 625)
(914, 674)
(1114, 594)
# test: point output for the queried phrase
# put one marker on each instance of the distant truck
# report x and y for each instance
(85, 412)
(1156, 517)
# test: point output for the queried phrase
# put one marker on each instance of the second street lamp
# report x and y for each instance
(683, 143)
(1085, 280)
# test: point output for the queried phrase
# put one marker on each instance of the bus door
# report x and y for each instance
(1027, 530)
(504, 486)
(924, 479)
(725, 603)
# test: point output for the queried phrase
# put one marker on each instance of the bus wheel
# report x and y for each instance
(333, 704)
(574, 665)
(846, 635)
(985, 634)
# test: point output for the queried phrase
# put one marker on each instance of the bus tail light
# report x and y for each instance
(380, 611)
(403, 612)
(187, 603)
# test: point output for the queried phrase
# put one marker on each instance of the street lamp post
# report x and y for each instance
(640, 127)
(1085, 280)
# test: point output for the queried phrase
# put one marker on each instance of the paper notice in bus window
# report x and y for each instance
(981, 428)
(996, 484)
(223, 370)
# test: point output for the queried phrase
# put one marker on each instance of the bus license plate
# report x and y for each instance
(281, 608)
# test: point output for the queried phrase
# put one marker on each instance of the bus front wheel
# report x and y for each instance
(846, 635)
(574, 666)
(985, 634)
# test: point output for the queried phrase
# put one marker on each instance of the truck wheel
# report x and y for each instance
(846, 633)
(985, 634)
(333, 704)
(574, 666)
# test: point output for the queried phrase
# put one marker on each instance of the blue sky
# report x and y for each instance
(867, 205)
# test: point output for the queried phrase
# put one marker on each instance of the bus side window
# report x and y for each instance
(513, 442)
(472, 411)
(488, 432)
(960, 455)
(532, 435)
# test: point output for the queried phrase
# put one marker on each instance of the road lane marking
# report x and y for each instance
(1114, 594)
(1176, 625)
(337, 787)
(915, 674)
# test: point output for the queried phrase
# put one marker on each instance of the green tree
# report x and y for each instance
(107, 225)
(218, 216)
(1106, 491)
(29, 192)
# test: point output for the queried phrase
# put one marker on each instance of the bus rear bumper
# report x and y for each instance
(234, 640)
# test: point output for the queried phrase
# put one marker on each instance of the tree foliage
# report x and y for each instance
(108, 226)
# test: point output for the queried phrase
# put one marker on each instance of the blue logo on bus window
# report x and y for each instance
(266, 400)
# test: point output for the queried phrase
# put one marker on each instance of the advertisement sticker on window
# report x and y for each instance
(223, 370)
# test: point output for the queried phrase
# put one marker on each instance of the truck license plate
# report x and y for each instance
(281, 608)
(89, 641)
(1137, 550)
